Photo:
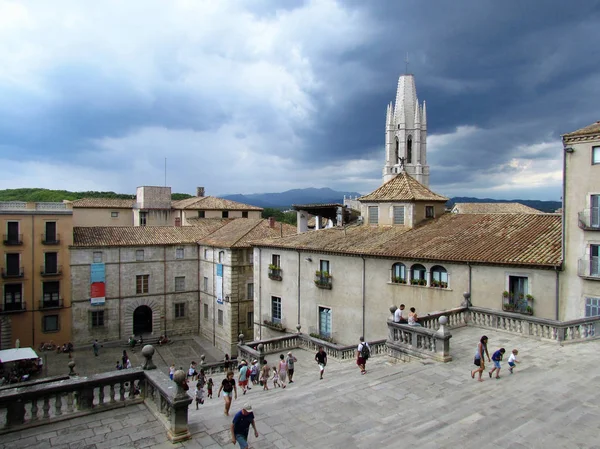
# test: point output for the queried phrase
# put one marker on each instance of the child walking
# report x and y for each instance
(497, 358)
(275, 377)
(209, 387)
(199, 395)
(512, 360)
(264, 375)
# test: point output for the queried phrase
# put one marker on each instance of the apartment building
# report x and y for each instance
(580, 290)
(35, 273)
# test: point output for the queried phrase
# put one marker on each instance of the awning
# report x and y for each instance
(11, 355)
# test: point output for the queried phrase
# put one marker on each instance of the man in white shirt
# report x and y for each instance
(399, 315)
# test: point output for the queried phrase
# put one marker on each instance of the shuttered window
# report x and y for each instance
(398, 215)
(373, 215)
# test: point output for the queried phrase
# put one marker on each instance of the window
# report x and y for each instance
(250, 291)
(595, 211)
(595, 155)
(220, 318)
(221, 256)
(244, 214)
(180, 283)
(429, 212)
(205, 284)
(201, 214)
(439, 277)
(97, 257)
(206, 311)
(12, 264)
(225, 214)
(114, 215)
(50, 323)
(50, 263)
(592, 307)
(249, 320)
(373, 214)
(418, 274)
(180, 310)
(276, 260)
(13, 237)
(139, 255)
(325, 321)
(179, 253)
(141, 283)
(13, 297)
(250, 256)
(324, 267)
(143, 218)
(517, 288)
(397, 151)
(51, 293)
(275, 309)
(98, 318)
(50, 234)
(399, 273)
(398, 215)
(594, 260)
(409, 150)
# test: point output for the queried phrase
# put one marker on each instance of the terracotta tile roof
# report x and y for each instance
(402, 188)
(143, 235)
(493, 208)
(104, 203)
(211, 203)
(511, 239)
(240, 231)
(594, 128)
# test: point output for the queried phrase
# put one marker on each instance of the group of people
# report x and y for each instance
(496, 358)
(124, 363)
(411, 318)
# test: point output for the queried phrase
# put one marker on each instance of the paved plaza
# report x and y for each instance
(552, 401)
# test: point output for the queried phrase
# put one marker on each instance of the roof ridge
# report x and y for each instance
(250, 230)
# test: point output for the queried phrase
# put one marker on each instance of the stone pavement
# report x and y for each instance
(552, 401)
(181, 352)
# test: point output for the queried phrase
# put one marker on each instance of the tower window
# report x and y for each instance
(397, 149)
(409, 150)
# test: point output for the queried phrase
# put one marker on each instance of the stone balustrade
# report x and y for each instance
(457, 317)
(421, 342)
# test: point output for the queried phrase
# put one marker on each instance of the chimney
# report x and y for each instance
(271, 222)
(199, 192)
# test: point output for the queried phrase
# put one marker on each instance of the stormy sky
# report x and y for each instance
(263, 96)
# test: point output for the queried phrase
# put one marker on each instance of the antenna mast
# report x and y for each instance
(165, 172)
(406, 62)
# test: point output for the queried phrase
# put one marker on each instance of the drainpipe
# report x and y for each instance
(470, 300)
(298, 288)
(33, 314)
(214, 300)
(364, 288)
(259, 295)
(198, 284)
(557, 294)
(165, 288)
(119, 299)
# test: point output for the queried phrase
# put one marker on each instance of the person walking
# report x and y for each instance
(264, 375)
(290, 360)
(282, 370)
(321, 359)
(497, 358)
(512, 360)
(363, 352)
(228, 388)
(478, 360)
(243, 377)
(240, 426)
(96, 347)
(172, 371)
(124, 358)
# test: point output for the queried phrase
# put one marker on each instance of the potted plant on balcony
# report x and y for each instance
(414, 282)
(274, 272)
(505, 294)
(443, 284)
(529, 310)
(529, 297)
(435, 283)
(273, 325)
(422, 281)
(508, 307)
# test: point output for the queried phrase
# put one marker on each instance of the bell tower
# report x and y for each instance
(406, 134)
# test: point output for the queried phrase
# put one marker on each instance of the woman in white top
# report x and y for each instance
(413, 318)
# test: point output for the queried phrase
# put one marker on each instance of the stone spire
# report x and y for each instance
(406, 134)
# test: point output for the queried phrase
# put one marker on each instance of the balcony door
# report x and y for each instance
(50, 231)
(594, 261)
(13, 297)
(13, 231)
(51, 294)
(51, 263)
(12, 264)
(595, 211)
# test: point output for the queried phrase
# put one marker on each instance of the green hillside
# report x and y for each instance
(47, 195)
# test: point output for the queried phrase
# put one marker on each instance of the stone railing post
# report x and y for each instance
(71, 366)
(260, 347)
(148, 352)
(393, 311)
(179, 430)
(15, 413)
(442, 344)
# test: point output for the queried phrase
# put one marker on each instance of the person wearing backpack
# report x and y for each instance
(363, 352)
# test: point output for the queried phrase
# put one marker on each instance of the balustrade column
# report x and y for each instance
(58, 404)
(46, 407)
(34, 410)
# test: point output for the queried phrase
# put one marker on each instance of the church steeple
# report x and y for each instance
(406, 134)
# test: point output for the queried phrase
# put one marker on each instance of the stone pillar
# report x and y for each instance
(148, 352)
(442, 344)
(260, 348)
(317, 222)
(179, 430)
(302, 221)
(71, 366)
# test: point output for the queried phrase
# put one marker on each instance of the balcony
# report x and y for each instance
(274, 272)
(13, 307)
(323, 280)
(12, 239)
(589, 268)
(13, 273)
(523, 304)
(50, 239)
(51, 304)
(589, 219)
(51, 271)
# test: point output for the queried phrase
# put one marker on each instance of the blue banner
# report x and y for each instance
(97, 273)
(220, 269)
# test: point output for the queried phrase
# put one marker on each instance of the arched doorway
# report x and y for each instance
(142, 320)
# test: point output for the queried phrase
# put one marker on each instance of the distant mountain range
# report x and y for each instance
(283, 200)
